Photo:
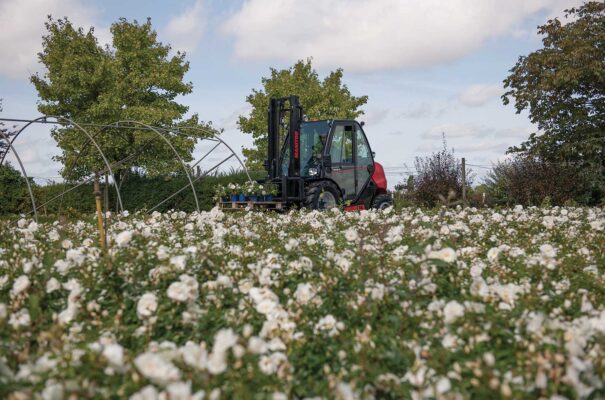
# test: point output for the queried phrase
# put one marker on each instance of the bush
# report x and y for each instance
(531, 181)
(439, 178)
(14, 197)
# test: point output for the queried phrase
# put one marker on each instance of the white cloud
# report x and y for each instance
(22, 24)
(374, 116)
(185, 31)
(362, 35)
(423, 110)
(478, 95)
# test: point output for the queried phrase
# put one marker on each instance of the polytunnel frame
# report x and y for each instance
(67, 121)
(120, 124)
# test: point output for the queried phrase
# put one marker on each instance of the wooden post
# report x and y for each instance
(106, 204)
(97, 193)
(463, 182)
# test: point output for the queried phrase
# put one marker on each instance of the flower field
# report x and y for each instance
(376, 304)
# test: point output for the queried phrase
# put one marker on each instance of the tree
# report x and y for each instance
(327, 99)
(563, 87)
(133, 79)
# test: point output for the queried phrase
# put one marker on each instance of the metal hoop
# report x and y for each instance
(29, 188)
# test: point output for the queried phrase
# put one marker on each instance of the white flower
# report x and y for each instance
(52, 391)
(149, 392)
(449, 341)
(266, 306)
(351, 235)
(547, 251)
(489, 359)
(53, 235)
(269, 364)
(257, 345)
(330, 325)
(217, 363)
(179, 262)
(20, 285)
(184, 290)
(114, 353)
(224, 340)
(452, 311)
(291, 245)
(443, 385)
(493, 253)
(394, 234)
(52, 284)
(344, 391)
(69, 314)
(157, 369)
(446, 254)
(179, 391)
(147, 305)
(20, 319)
(123, 238)
(304, 293)
(195, 355)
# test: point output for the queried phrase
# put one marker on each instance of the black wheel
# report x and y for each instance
(382, 201)
(322, 195)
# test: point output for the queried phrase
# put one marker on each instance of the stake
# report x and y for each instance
(97, 193)
(106, 203)
(463, 182)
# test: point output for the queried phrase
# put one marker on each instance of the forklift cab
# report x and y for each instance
(336, 150)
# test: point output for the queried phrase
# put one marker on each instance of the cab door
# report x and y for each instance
(342, 153)
(364, 161)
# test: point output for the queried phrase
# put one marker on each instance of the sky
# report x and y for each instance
(429, 67)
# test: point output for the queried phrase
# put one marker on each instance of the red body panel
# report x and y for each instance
(357, 207)
(379, 178)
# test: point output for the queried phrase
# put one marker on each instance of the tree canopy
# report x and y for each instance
(562, 85)
(321, 99)
(134, 78)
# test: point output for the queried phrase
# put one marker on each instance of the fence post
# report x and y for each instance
(97, 193)
(463, 182)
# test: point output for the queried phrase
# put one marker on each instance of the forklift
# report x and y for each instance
(322, 164)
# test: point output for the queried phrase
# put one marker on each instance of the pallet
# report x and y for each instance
(258, 205)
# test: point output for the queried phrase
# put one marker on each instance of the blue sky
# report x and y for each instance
(428, 66)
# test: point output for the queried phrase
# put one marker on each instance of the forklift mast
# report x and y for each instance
(277, 110)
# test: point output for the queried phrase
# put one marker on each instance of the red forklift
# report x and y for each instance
(322, 164)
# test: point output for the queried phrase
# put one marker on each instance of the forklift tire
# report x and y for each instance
(382, 201)
(319, 190)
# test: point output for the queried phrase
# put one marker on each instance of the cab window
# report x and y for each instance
(364, 155)
(341, 148)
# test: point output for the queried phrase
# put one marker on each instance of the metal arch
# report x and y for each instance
(216, 137)
(73, 123)
(100, 152)
(197, 204)
(11, 141)
(29, 188)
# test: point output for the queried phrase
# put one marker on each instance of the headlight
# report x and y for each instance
(313, 171)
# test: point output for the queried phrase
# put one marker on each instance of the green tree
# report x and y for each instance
(562, 85)
(327, 99)
(134, 78)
